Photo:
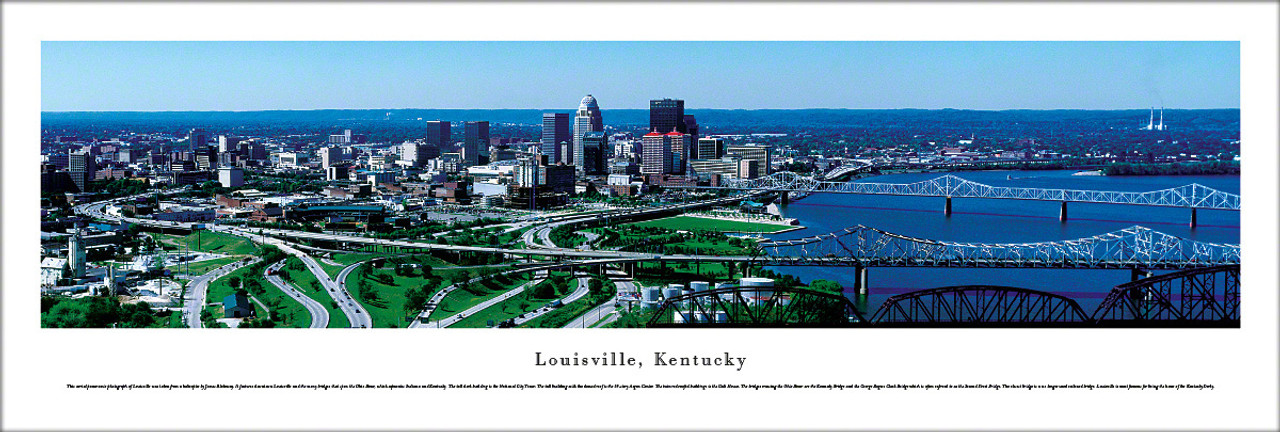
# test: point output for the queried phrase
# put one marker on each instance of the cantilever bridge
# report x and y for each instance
(1190, 196)
(1133, 247)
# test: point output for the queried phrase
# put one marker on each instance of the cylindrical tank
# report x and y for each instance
(673, 290)
(755, 282)
(757, 290)
(651, 294)
(699, 286)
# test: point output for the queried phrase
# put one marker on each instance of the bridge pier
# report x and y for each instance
(860, 283)
(1139, 273)
(1062, 212)
(1193, 218)
(783, 198)
(947, 210)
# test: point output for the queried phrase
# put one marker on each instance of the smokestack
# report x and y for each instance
(1161, 118)
(1152, 121)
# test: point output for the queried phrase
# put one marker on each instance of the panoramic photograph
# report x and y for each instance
(728, 184)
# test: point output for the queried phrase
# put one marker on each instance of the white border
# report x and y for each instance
(1242, 363)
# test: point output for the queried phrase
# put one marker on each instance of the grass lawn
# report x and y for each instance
(202, 267)
(559, 317)
(309, 285)
(504, 310)
(208, 241)
(388, 310)
(682, 273)
(291, 313)
(476, 293)
(690, 223)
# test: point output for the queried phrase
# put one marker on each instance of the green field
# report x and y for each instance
(504, 310)
(690, 223)
(559, 317)
(208, 241)
(388, 310)
(309, 285)
(202, 267)
(473, 294)
(290, 312)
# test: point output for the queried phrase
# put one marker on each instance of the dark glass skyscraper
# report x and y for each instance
(556, 128)
(438, 134)
(475, 140)
(666, 115)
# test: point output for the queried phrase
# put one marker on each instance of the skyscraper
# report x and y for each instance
(81, 167)
(666, 115)
(655, 157)
(587, 120)
(691, 128)
(556, 128)
(196, 139)
(594, 152)
(679, 144)
(752, 151)
(475, 140)
(438, 135)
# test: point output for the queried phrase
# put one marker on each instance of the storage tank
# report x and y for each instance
(756, 290)
(673, 290)
(699, 286)
(650, 298)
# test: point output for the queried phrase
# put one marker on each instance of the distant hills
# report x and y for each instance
(759, 117)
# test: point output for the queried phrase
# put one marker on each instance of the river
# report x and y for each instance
(1002, 221)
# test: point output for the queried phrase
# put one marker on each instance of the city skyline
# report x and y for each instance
(252, 76)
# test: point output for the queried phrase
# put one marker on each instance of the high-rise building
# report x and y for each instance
(594, 152)
(752, 151)
(666, 115)
(196, 139)
(438, 135)
(691, 128)
(587, 120)
(655, 157)
(337, 172)
(342, 138)
(679, 143)
(475, 141)
(709, 148)
(724, 167)
(557, 128)
(329, 156)
(82, 167)
(231, 177)
(227, 143)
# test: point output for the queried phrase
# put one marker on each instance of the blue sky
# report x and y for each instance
(244, 76)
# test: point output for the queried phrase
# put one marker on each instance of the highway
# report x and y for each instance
(578, 293)
(484, 305)
(198, 289)
(361, 319)
(319, 315)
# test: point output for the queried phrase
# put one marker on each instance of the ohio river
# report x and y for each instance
(1003, 221)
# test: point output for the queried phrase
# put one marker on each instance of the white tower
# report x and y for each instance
(1161, 127)
(75, 255)
(1151, 122)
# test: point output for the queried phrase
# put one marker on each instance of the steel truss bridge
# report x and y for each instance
(1194, 196)
(1203, 297)
(1134, 247)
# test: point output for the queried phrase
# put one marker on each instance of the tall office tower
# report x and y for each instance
(227, 143)
(75, 254)
(691, 128)
(196, 139)
(475, 141)
(587, 120)
(752, 151)
(709, 148)
(438, 135)
(329, 156)
(666, 115)
(655, 157)
(206, 158)
(679, 143)
(81, 167)
(556, 128)
(253, 151)
(594, 152)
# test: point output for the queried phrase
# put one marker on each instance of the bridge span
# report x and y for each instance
(1193, 196)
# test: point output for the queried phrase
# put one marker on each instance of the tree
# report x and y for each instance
(827, 286)
(234, 281)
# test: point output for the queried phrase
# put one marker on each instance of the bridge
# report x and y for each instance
(1193, 298)
(845, 170)
(1193, 196)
